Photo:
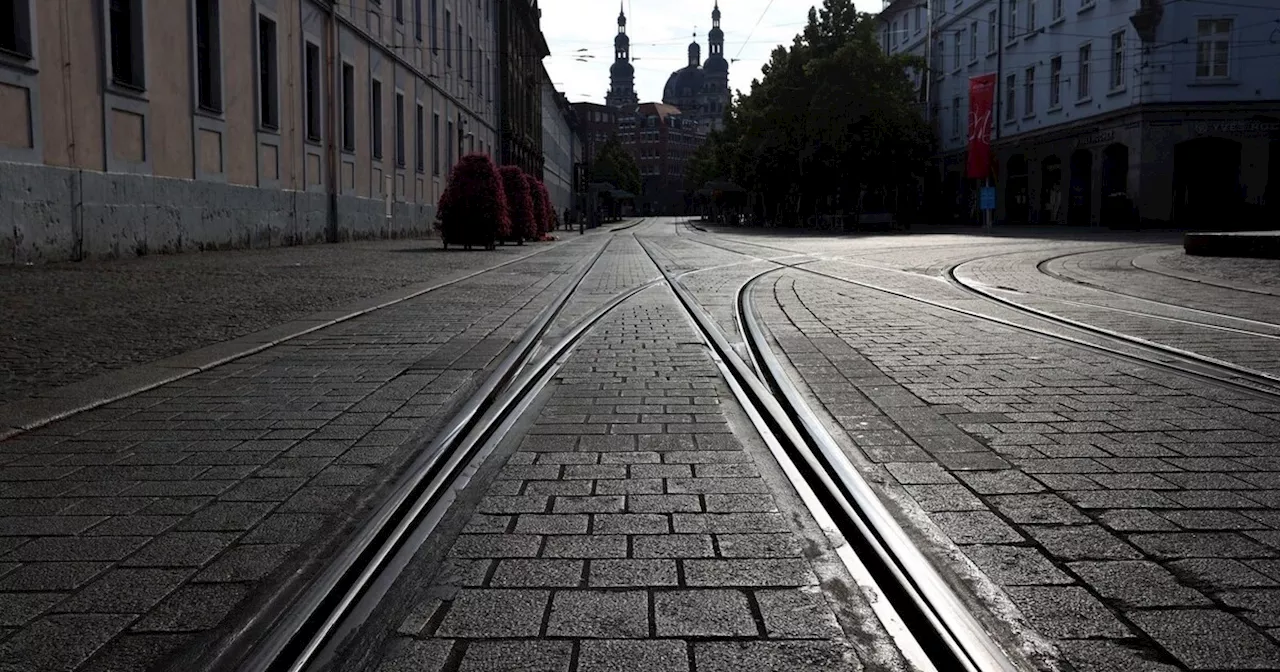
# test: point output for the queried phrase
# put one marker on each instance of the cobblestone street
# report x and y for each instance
(1079, 430)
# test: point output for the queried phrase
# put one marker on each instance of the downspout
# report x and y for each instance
(77, 173)
(331, 39)
(999, 88)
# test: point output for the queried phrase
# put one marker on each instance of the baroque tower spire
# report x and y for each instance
(622, 74)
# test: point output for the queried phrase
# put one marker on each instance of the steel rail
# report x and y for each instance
(1189, 367)
(950, 637)
(296, 635)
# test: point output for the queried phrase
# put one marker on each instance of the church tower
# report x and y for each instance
(717, 69)
(622, 75)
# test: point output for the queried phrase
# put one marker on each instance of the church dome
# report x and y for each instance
(622, 69)
(684, 82)
(717, 65)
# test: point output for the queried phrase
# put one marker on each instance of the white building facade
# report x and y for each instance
(1108, 112)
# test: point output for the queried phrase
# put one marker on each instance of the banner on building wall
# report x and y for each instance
(982, 91)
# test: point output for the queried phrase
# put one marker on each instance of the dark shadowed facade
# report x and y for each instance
(520, 76)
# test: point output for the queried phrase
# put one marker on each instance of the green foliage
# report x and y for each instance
(616, 166)
(832, 117)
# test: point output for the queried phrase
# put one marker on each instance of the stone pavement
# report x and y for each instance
(66, 322)
(128, 529)
(637, 527)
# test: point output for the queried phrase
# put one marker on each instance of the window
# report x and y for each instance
(471, 61)
(915, 21)
(268, 75)
(435, 28)
(1031, 15)
(1010, 98)
(1117, 60)
(400, 153)
(955, 47)
(992, 26)
(955, 118)
(419, 133)
(348, 107)
(1029, 92)
(973, 41)
(942, 58)
(399, 11)
(1055, 82)
(15, 28)
(1082, 78)
(1213, 48)
(417, 20)
(127, 65)
(449, 145)
(311, 91)
(460, 50)
(208, 56)
(448, 39)
(893, 33)
(435, 144)
(1057, 9)
(1012, 27)
(375, 117)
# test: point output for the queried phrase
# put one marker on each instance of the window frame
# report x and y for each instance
(267, 103)
(24, 42)
(1084, 73)
(1055, 83)
(1059, 11)
(1031, 18)
(1116, 71)
(213, 53)
(955, 118)
(417, 20)
(375, 119)
(435, 143)
(348, 106)
(138, 47)
(956, 46)
(1029, 91)
(312, 98)
(1011, 98)
(1212, 41)
(1012, 22)
(448, 39)
(401, 129)
(993, 34)
(973, 42)
(419, 138)
(434, 24)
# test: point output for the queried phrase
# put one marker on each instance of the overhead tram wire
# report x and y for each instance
(753, 30)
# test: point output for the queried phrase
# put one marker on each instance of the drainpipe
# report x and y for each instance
(77, 175)
(331, 38)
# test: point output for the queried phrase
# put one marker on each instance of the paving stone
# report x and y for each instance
(518, 656)
(797, 614)
(739, 503)
(716, 485)
(975, 527)
(77, 548)
(1136, 584)
(1015, 565)
(784, 545)
(672, 546)
(701, 457)
(192, 608)
(635, 457)
(538, 573)
(1203, 639)
(729, 522)
(462, 572)
(246, 562)
(51, 576)
(1065, 612)
(1006, 482)
(633, 573)
(1217, 574)
(227, 516)
(182, 549)
(496, 546)
(591, 504)
(702, 613)
(125, 590)
(1199, 545)
(1046, 508)
(16, 609)
(59, 641)
(1260, 606)
(586, 546)
(135, 652)
(934, 498)
(542, 488)
(1090, 655)
(531, 523)
(1135, 520)
(749, 572)
(520, 504)
(629, 486)
(630, 523)
(1082, 542)
(599, 614)
(773, 656)
(664, 504)
(405, 654)
(484, 613)
(629, 655)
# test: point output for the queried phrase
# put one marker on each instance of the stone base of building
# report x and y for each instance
(1196, 167)
(58, 214)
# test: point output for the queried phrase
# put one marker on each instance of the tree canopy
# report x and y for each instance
(615, 165)
(832, 117)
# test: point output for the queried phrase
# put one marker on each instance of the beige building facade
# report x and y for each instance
(155, 126)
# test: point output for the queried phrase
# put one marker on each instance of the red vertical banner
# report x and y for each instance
(982, 91)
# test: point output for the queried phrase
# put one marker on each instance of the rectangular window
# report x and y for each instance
(1117, 60)
(312, 91)
(435, 144)
(1011, 27)
(1213, 48)
(942, 58)
(1010, 98)
(992, 26)
(471, 61)
(957, 40)
(375, 117)
(460, 46)
(419, 133)
(417, 20)
(1031, 15)
(1057, 9)
(448, 39)
(400, 152)
(208, 56)
(1082, 76)
(1029, 90)
(915, 21)
(435, 27)
(15, 28)
(348, 107)
(399, 11)
(973, 41)
(449, 145)
(128, 68)
(1055, 82)
(955, 118)
(268, 75)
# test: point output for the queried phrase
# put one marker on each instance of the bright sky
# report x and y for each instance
(660, 32)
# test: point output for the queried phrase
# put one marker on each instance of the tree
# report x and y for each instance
(537, 194)
(519, 205)
(473, 208)
(615, 165)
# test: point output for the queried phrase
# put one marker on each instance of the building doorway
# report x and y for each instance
(1206, 183)
(1117, 207)
(1051, 190)
(1080, 196)
(1017, 208)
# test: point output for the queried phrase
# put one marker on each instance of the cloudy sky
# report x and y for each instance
(660, 32)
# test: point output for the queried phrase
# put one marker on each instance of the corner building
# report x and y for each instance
(136, 126)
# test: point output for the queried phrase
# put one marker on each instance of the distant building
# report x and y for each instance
(598, 123)
(622, 75)
(1172, 104)
(560, 145)
(661, 139)
(701, 92)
